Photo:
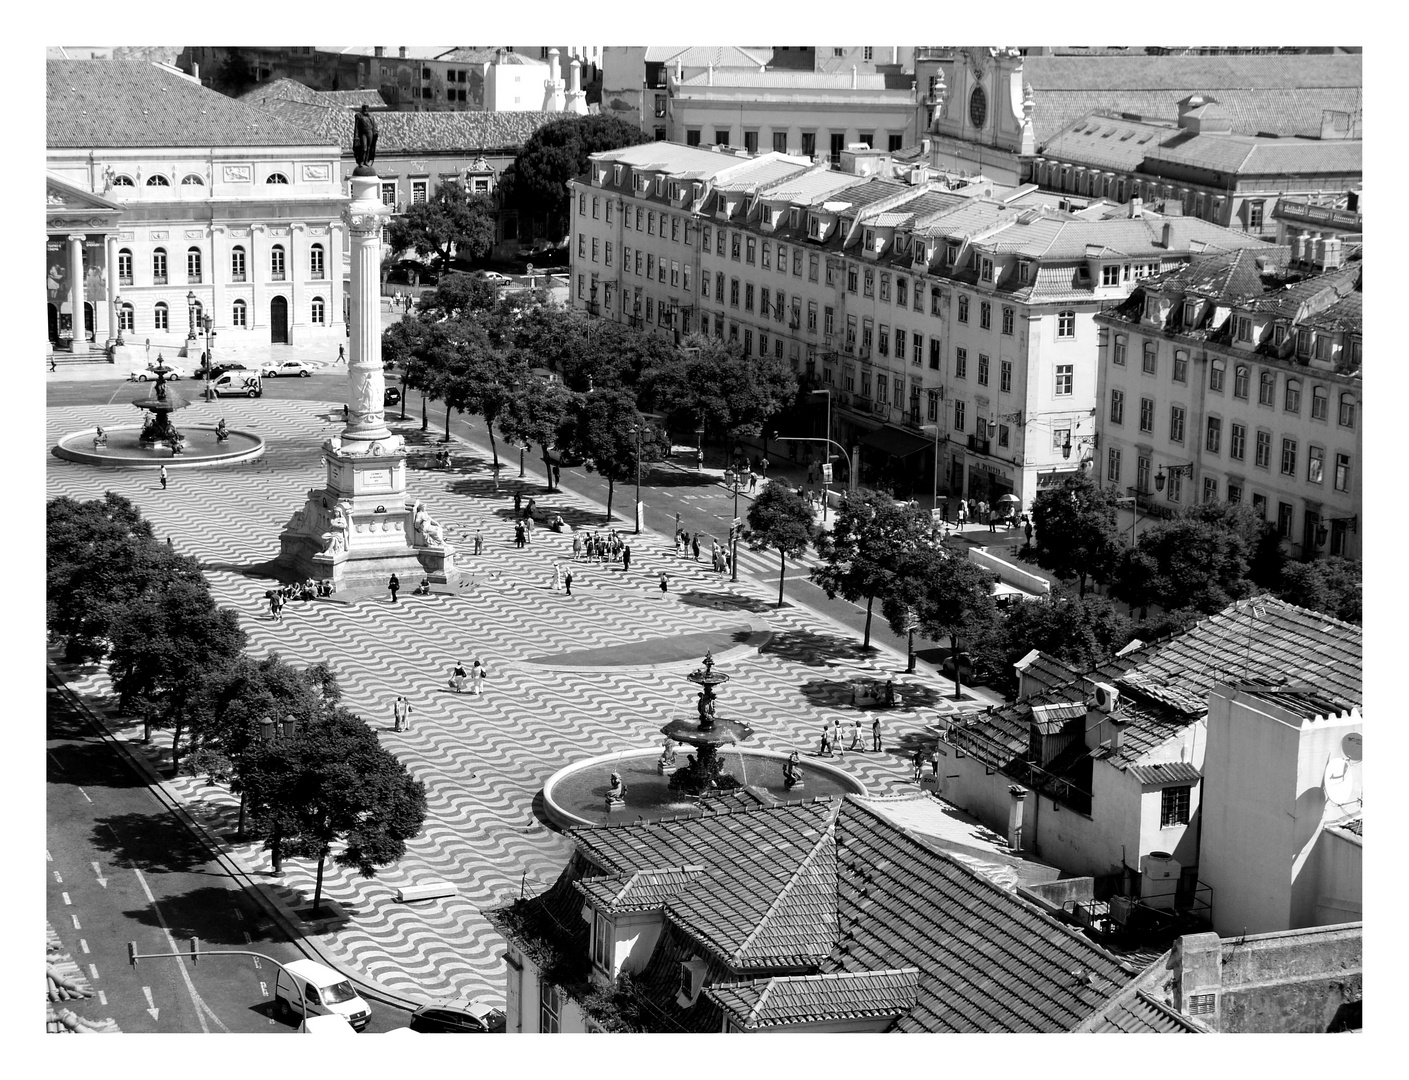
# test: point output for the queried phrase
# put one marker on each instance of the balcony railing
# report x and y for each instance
(238, 277)
(193, 279)
(124, 279)
(276, 275)
(158, 279)
(315, 275)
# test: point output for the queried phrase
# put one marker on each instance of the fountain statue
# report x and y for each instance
(707, 733)
(162, 402)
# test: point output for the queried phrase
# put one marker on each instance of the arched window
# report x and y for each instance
(1320, 403)
(199, 312)
(124, 266)
(159, 317)
(157, 180)
(1266, 388)
(237, 314)
(1347, 410)
(1292, 397)
(123, 180)
(276, 263)
(237, 263)
(316, 311)
(159, 266)
(193, 266)
(192, 180)
(315, 261)
(277, 178)
(126, 319)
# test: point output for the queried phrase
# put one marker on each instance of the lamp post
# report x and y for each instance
(1174, 470)
(637, 430)
(732, 478)
(934, 495)
(207, 322)
(828, 439)
(1121, 500)
(191, 315)
(699, 445)
(117, 303)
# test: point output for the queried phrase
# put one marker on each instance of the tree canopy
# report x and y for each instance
(537, 181)
(1076, 531)
(456, 295)
(1332, 586)
(715, 381)
(945, 593)
(601, 427)
(1082, 632)
(451, 223)
(780, 520)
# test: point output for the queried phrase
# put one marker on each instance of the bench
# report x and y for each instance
(426, 890)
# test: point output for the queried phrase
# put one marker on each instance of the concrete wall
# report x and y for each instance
(1012, 575)
(1340, 879)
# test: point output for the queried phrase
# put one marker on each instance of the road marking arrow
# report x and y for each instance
(93, 970)
(58, 878)
(66, 899)
(83, 944)
(102, 998)
(75, 922)
(151, 1005)
(101, 880)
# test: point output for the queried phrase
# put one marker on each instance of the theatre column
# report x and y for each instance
(75, 287)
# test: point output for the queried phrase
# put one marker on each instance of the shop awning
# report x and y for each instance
(896, 442)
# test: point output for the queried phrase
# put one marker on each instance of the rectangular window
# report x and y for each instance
(1291, 398)
(601, 941)
(550, 1005)
(809, 144)
(1002, 434)
(1320, 403)
(1266, 388)
(418, 191)
(1147, 415)
(1259, 506)
(733, 292)
(902, 285)
(811, 265)
(1110, 275)
(1117, 406)
(1176, 423)
(650, 265)
(595, 206)
(735, 245)
(1237, 441)
(609, 211)
(1215, 376)
(917, 349)
(607, 253)
(961, 363)
(885, 287)
(1142, 474)
(797, 265)
(985, 315)
(1240, 382)
(674, 270)
(1005, 376)
(595, 244)
(1066, 324)
(1213, 438)
(582, 245)
(963, 307)
(1113, 465)
(983, 370)
(1315, 463)
(765, 300)
(868, 287)
(748, 341)
(765, 256)
(1181, 366)
(675, 228)
(1288, 457)
(1064, 379)
(389, 194)
(1263, 453)
(719, 288)
(899, 343)
(1008, 321)
(812, 316)
(958, 416)
(720, 238)
(1235, 492)
(866, 338)
(828, 321)
(1174, 490)
(1346, 416)
(1147, 358)
(685, 277)
(1284, 520)
(748, 296)
(750, 250)
(1119, 355)
(883, 341)
(1061, 438)
(1174, 807)
(935, 350)
(1342, 472)
(851, 279)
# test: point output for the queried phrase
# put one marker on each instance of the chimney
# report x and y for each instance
(576, 84)
(925, 149)
(1167, 235)
(853, 76)
(1015, 816)
(711, 74)
(195, 71)
(1117, 730)
(1197, 963)
(403, 52)
(895, 54)
(378, 50)
(1137, 207)
(1333, 256)
(679, 69)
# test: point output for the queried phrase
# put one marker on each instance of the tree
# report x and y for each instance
(780, 520)
(334, 783)
(235, 75)
(494, 380)
(451, 223)
(535, 414)
(1082, 632)
(601, 428)
(1076, 531)
(870, 534)
(456, 295)
(1331, 586)
(714, 382)
(166, 645)
(945, 593)
(1202, 559)
(537, 181)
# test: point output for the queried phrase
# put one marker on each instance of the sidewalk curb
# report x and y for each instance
(294, 928)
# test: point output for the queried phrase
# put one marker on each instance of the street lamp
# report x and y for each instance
(637, 430)
(1174, 470)
(934, 497)
(207, 322)
(699, 445)
(733, 478)
(191, 314)
(1134, 516)
(828, 436)
(117, 303)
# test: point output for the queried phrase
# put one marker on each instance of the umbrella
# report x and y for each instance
(1009, 499)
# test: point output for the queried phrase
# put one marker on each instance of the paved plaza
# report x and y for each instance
(569, 677)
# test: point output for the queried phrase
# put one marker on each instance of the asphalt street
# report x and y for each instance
(121, 867)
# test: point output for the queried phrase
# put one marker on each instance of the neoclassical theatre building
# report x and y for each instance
(168, 202)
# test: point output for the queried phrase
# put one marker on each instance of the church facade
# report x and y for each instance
(170, 202)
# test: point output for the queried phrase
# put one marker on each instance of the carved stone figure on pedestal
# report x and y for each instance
(364, 140)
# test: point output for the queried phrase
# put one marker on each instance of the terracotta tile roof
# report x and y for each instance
(292, 90)
(988, 960)
(1172, 772)
(101, 103)
(1284, 95)
(1105, 142)
(640, 891)
(1345, 315)
(1141, 237)
(802, 999)
(1044, 670)
(778, 79)
(1052, 718)
(1246, 155)
(873, 190)
(1137, 1012)
(812, 187)
(419, 132)
(704, 55)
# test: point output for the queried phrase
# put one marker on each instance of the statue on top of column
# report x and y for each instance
(364, 140)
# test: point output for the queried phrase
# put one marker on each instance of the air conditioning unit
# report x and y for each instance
(1106, 697)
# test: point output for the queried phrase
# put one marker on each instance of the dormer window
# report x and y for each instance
(1279, 334)
(870, 239)
(951, 253)
(1110, 275)
(1191, 312)
(986, 267)
(921, 256)
(692, 973)
(601, 941)
(660, 185)
(792, 217)
(1024, 272)
(1152, 308)
(616, 174)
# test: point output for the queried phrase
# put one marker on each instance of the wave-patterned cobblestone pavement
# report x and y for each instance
(483, 758)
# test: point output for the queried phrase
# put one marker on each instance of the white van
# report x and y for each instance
(237, 384)
(325, 990)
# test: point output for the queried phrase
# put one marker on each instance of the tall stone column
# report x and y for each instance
(364, 218)
(113, 334)
(75, 290)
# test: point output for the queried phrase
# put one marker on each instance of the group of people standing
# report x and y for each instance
(834, 738)
(307, 590)
(598, 548)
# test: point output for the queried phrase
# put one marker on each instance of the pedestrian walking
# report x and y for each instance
(557, 577)
(1027, 528)
(342, 356)
(626, 559)
(518, 504)
(825, 750)
(477, 677)
(519, 538)
(695, 546)
(457, 677)
(528, 528)
(919, 766)
(876, 734)
(963, 515)
(934, 765)
(677, 524)
(162, 477)
(344, 413)
(836, 736)
(479, 542)
(399, 710)
(393, 585)
(753, 481)
(567, 583)
(856, 737)
(664, 582)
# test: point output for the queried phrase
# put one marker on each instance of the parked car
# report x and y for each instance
(142, 374)
(463, 1015)
(288, 367)
(220, 369)
(237, 384)
(493, 278)
(391, 396)
(411, 272)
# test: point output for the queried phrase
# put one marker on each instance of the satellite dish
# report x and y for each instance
(1337, 784)
(1351, 746)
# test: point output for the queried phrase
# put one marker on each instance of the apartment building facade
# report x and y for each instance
(1239, 379)
(953, 327)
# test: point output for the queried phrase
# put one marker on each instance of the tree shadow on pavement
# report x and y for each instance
(152, 842)
(206, 912)
(677, 478)
(816, 650)
(725, 602)
(837, 693)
